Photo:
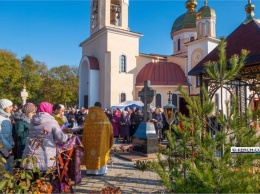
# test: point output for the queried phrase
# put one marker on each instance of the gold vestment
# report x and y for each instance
(97, 139)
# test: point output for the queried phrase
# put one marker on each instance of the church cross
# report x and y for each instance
(170, 95)
(146, 95)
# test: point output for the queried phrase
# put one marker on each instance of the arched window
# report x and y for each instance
(115, 13)
(123, 63)
(192, 38)
(122, 97)
(197, 81)
(200, 28)
(94, 17)
(158, 100)
(206, 28)
(213, 28)
(175, 100)
(179, 45)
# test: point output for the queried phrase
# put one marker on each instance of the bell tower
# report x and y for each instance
(108, 55)
(104, 13)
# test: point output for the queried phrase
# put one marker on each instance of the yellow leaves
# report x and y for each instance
(3, 183)
(3, 160)
(24, 162)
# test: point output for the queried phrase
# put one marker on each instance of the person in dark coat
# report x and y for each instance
(165, 126)
(124, 126)
(132, 126)
(22, 128)
(109, 114)
(158, 123)
(72, 118)
(138, 118)
(82, 116)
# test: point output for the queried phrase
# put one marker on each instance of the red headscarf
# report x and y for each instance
(45, 107)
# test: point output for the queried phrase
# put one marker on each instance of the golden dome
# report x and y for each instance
(206, 12)
(250, 9)
(191, 5)
(186, 20)
(250, 13)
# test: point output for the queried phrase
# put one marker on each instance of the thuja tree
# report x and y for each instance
(192, 164)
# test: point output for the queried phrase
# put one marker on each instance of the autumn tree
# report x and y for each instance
(10, 76)
(57, 85)
(31, 76)
(61, 85)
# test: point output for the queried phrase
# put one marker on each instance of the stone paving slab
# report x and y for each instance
(134, 156)
(122, 174)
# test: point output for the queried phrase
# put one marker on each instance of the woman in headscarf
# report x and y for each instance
(22, 128)
(115, 123)
(6, 139)
(46, 129)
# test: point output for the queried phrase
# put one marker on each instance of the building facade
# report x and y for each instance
(112, 70)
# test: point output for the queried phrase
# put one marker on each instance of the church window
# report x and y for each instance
(158, 100)
(192, 38)
(206, 28)
(200, 28)
(123, 63)
(213, 28)
(122, 97)
(179, 45)
(197, 81)
(94, 15)
(115, 13)
(175, 99)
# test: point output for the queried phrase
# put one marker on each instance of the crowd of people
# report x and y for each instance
(53, 125)
(126, 122)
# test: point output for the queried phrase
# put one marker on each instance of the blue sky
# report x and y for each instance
(51, 31)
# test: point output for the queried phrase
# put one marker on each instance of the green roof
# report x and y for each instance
(187, 20)
(206, 11)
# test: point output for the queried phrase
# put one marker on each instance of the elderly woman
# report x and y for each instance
(22, 128)
(157, 119)
(44, 134)
(6, 139)
(125, 126)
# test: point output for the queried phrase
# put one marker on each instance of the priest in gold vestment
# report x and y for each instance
(97, 140)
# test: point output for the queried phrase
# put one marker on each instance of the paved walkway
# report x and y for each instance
(122, 174)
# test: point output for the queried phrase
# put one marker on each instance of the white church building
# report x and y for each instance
(112, 70)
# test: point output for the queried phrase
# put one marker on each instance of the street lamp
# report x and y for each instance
(169, 111)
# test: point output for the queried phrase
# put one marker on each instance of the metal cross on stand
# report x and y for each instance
(24, 94)
(145, 139)
(170, 97)
(146, 95)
